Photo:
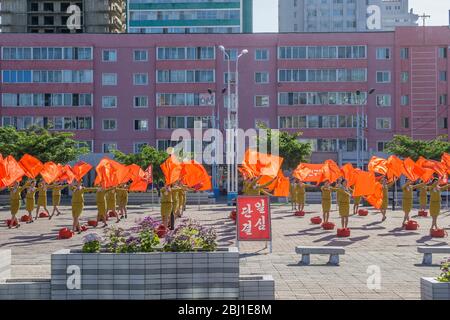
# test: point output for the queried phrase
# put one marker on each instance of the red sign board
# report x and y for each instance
(253, 218)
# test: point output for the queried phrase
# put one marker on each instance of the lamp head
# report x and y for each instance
(371, 91)
(210, 91)
(222, 48)
(245, 51)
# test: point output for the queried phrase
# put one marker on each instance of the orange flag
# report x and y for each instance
(307, 172)
(171, 169)
(376, 199)
(138, 186)
(350, 174)
(11, 171)
(110, 173)
(446, 161)
(194, 175)
(435, 166)
(330, 172)
(50, 172)
(412, 171)
(80, 169)
(395, 168)
(378, 165)
(31, 166)
(257, 164)
(365, 184)
(282, 186)
(66, 173)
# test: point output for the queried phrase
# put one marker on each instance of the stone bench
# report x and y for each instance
(334, 253)
(428, 253)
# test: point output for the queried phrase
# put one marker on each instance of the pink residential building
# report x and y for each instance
(123, 91)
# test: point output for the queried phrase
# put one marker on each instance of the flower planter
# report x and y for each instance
(300, 214)
(149, 276)
(431, 289)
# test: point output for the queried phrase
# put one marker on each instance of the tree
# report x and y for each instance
(59, 147)
(147, 156)
(404, 146)
(291, 149)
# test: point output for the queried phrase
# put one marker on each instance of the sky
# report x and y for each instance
(266, 13)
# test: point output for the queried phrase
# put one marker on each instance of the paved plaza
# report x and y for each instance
(383, 245)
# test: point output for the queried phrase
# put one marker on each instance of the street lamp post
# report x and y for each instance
(233, 125)
(216, 125)
(360, 127)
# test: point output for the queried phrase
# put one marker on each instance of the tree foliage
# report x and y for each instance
(291, 149)
(147, 156)
(404, 146)
(59, 147)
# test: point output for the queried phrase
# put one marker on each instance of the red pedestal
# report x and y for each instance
(439, 233)
(25, 218)
(8, 223)
(343, 233)
(328, 225)
(92, 223)
(43, 215)
(300, 214)
(161, 231)
(423, 214)
(65, 233)
(363, 213)
(411, 225)
(316, 220)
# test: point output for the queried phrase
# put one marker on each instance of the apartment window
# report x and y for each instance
(404, 101)
(322, 75)
(141, 102)
(185, 76)
(48, 6)
(261, 101)
(138, 146)
(231, 54)
(34, 20)
(383, 76)
(381, 146)
(261, 55)
(109, 55)
(443, 98)
(141, 125)
(109, 124)
(34, 6)
(109, 79)
(442, 75)
(404, 76)
(404, 53)
(443, 123)
(405, 123)
(186, 53)
(443, 53)
(85, 144)
(109, 147)
(383, 53)
(383, 123)
(261, 77)
(109, 102)
(140, 79)
(140, 55)
(384, 100)
(49, 20)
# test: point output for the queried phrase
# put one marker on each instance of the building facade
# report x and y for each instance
(51, 16)
(190, 16)
(342, 15)
(126, 91)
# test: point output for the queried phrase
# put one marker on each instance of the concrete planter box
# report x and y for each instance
(431, 289)
(5, 265)
(256, 288)
(149, 276)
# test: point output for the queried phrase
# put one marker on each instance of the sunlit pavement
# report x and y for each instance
(372, 246)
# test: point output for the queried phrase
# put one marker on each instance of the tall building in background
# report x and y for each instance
(341, 15)
(50, 16)
(190, 16)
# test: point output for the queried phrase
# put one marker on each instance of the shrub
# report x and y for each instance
(190, 236)
(445, 271)
(92, 243)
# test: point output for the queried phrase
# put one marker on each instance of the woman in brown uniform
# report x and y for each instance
(385, 202)
(111, 203)
(30, 199)
(435, 202)
(56, 198)
(326, 201)
(166, 205)
(15, 198)
(407, 204)
(78, 192)
(42, 198)
(122, 200)
(343, 195)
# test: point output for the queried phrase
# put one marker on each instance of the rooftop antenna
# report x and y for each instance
(424, 18)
